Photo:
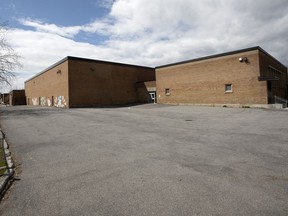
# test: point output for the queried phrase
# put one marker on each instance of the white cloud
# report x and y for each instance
(69, 32)
(155, 32)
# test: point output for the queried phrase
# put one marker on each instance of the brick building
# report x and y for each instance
(5, 98)
(78, 82)
(248, 77)
(17, 97)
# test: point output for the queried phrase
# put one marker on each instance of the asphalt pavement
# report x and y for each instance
(147, 160)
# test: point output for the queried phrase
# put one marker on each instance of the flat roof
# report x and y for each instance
(162, 66)
(220, 55)
(16, 90)
(84, 60)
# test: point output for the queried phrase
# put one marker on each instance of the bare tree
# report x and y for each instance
(9, 59)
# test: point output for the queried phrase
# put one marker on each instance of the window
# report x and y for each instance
(167, 91)
(228, 88)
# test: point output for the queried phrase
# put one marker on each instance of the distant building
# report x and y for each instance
(17, 97)
(5, 98)
(78, 82)
(248, 77)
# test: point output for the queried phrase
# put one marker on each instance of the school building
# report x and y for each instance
(248, 77)
(79, 82)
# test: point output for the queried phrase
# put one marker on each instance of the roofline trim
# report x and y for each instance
(263, 51)
(73, 58)
(47, 69)
(220, 55)
(106, 62)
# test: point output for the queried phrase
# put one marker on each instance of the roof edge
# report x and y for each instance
(266, 53)
(220, 55)
(49, 68)
(105, 62)
(73, 58)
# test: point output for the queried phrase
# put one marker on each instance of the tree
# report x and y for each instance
(9, 59)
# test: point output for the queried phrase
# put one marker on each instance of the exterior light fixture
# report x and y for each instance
(243, 59)
(59, 72)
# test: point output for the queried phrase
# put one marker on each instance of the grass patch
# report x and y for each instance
(2, 161)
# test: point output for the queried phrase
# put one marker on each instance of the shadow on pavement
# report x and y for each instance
(23, 111)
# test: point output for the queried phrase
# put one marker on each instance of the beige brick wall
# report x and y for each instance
(203, 82)
(49, 88)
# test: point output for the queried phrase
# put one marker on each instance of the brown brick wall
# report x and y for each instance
(203, 82)
(143, 90)
(17, 97)
(85, 83)
(278, 88)
(49, 88)
(97, 84)
(5, 98)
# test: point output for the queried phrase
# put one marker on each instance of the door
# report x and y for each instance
(270, 95)
(152, 97)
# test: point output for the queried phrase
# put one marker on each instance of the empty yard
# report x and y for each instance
(147, 160)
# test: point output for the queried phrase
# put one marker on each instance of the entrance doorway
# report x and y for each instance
(152, 97)
(270, 95)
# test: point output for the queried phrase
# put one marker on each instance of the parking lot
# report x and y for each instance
(147, 160)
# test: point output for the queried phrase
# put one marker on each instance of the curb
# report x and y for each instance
(9, 173)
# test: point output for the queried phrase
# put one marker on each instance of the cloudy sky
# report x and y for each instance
(144, 32)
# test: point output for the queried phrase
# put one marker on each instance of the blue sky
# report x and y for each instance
(144, 32)
(62, 12)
